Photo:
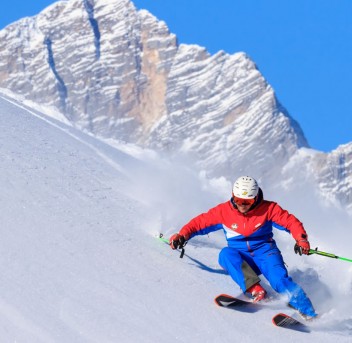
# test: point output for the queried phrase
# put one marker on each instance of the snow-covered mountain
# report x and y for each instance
(119, 73)
(332, 172)
(80, 263)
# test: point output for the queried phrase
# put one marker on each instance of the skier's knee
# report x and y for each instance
(227, 255)
(223, 257)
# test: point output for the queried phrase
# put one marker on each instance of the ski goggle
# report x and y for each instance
(243, 202)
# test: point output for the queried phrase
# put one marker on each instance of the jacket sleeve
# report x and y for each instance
(288, 221)
(203, 223)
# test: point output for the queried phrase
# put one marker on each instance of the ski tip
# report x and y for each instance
(224, 295)
(278, 318)
(285, 321)
(225, 300)
(220, 297)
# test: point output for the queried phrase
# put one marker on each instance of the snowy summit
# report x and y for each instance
(119, 73)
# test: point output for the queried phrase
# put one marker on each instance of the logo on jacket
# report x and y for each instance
(257, 227)
(234, 226)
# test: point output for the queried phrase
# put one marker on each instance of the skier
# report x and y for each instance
(247, 220)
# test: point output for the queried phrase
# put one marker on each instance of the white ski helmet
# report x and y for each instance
(245, 187)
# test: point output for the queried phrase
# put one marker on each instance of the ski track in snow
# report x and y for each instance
(79, 262)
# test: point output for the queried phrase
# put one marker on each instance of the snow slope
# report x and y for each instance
(79, 261)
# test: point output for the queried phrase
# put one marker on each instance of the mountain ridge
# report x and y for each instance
(119, 73)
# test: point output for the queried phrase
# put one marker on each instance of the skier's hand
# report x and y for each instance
(302, 246)
(177, 241)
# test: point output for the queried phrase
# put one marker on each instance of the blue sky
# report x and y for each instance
(303, 48)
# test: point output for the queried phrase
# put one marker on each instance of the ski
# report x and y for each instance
(280, 319)
(287, 322)
(228, 301)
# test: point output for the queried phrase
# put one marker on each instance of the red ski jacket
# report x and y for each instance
(249, 230)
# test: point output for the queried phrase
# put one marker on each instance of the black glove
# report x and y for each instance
(177, 241)
(302, 247)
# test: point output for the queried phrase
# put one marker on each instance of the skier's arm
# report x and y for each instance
(291, 224)
(199, 225)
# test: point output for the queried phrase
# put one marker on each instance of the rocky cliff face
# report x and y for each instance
(101, 63)
(333, 172)
(118, 72)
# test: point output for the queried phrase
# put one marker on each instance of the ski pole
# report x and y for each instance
(165, 240)
(326, 254)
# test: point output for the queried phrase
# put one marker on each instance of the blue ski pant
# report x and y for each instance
(245, 266)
